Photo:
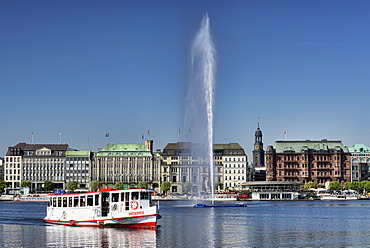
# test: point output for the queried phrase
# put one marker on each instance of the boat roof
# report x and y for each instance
(102, 191)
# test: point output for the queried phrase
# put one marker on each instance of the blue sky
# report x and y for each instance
(86, 68)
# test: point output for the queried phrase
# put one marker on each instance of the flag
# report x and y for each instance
(148, 131)
(33, 133)
(179, 130)
(142, 136)
(285, 131)
(189, 130)
(107, 135)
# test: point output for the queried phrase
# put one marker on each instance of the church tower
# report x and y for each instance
(258, 152)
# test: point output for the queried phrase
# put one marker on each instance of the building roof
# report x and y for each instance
(78, 153)
(134, 150)
(309, 145)
(10, 151)
(359, 148)
(186, 149)
(53, 147)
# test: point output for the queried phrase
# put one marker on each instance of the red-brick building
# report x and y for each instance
(308, 161)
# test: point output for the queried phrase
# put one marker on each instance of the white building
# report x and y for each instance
(182, 164)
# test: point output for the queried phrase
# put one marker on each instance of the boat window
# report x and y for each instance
(122, 196)
(82, 201)
(70, 201)
(90, 200)
(115, 197)
(144, 195)
(64, 202)
(54, 202)
(75, 201)
(59, 201)
(135, 196)
(96, 200)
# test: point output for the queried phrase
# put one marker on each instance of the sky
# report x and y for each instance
(76, 70)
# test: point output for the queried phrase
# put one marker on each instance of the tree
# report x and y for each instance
(219, 185)
(3, 185)
(165, 187)
(186, 187)
(142, 185)
(347, 185)
(118, 185)
(364, 185)
(72, 185)
(48, 186)
(356, 185)
(26, 184)
(95, 185)
(334, 185)
(310, 185)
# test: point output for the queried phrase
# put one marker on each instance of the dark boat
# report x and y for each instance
(203, 205)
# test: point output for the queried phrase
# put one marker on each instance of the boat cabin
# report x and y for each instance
(106, 201)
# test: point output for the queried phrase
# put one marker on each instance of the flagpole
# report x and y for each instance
(60, 138)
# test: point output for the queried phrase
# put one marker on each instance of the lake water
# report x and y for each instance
(261, 224)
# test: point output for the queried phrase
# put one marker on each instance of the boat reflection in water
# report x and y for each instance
(99, 237)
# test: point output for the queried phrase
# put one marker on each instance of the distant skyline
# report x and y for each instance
(87, 68)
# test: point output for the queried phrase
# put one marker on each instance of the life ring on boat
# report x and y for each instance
(134, 205)
(114, 208)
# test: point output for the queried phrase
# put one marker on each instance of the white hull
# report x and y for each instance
(338, 198)
(218, 198)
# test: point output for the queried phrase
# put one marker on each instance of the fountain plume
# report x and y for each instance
(200, 97)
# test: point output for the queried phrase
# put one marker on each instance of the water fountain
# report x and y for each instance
(200, 102)
(200, 97)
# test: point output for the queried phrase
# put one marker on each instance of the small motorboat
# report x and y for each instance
(203, 205)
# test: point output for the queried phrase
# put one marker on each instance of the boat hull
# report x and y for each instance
(132, 222)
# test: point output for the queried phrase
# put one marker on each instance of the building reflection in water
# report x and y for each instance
(99, 237)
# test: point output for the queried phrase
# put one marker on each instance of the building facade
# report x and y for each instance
(234, 166)
(13, 165)
(1, 169)
(308, 161)
(127, 163)
(183, 163)
(77, 168)
(44, 162)
(360, 162)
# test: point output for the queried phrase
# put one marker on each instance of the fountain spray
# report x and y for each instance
(200, 99)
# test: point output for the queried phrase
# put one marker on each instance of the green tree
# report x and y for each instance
(72, 185)
(219, 185)
(142, 185)
(367, 185)
(95, 185)
(355, 185)
(48, 186)
(347, 185)
(3, 185)
(165, 187)
(310, 185)
(334, 185)
(26, 184)
(118, 185)
(186, 187)
(364, 185)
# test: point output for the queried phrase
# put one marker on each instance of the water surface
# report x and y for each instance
(261, 224)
